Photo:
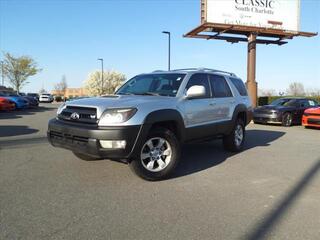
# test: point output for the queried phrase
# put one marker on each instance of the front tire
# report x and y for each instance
(158, 157)
(235, 140)
(287, 119)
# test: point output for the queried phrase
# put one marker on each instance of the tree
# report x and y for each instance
(313, 92)
(18, 69)
(111, 81)
(61, 86)
(267, 92)
(296, 89)
(42, 90)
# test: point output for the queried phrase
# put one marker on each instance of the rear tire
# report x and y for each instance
(158, 157)
(85, 157)
(235, 140)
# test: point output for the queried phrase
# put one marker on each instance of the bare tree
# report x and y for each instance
(267, 92)
(296, 89)
(61, 86)
(111, 81)
(313, 92)
(42, 90)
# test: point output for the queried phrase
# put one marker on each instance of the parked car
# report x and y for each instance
(6, 104)
(311, 117)
(152, 115)
(20, 102)
(33, 102)
(46, 98)
(285, 111)
(34, 95)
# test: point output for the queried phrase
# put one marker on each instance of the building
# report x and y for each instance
(71, 92)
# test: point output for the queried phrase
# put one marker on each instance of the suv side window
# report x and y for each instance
(199, 79)
(239, 86)
(219, 87)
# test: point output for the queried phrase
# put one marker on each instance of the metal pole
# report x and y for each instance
(169, 48)
(2, 74)
(169, 53)
(251, 69)
(101, 59)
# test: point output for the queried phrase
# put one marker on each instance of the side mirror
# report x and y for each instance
(196, 91)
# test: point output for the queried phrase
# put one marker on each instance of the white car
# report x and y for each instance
(46, 97)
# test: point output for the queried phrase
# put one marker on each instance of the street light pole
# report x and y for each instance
(169, 47)
(101, 59)
(2, 74)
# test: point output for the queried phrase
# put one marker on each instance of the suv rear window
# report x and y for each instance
(239, 86)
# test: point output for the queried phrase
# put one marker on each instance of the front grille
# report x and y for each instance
(68, 138)
(313, 121)
(312, 114)
(79, 115)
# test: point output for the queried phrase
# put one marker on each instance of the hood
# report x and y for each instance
(120, 101)
(313, 110)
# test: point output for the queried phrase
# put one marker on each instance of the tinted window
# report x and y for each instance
(219, 87)
(291, 103)
(280, 102)
(199, 79)
(307, 103)
(239, 86)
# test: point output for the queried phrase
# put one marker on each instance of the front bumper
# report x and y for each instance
(267, 118)
(311, 121)
(83, 138)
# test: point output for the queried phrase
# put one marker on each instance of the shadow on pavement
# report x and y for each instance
(20, 143)
(22, 112)
(201, 156)
(261, 229)
(11, 130)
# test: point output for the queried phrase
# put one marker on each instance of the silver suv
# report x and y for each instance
(152, 115)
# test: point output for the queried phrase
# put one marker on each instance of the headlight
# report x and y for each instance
(111, 116)
(60, 109)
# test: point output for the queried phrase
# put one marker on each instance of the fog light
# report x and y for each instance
(119, 144)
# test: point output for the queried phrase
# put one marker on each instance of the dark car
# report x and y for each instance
(285, 111)
(34, 95)
(33, 102)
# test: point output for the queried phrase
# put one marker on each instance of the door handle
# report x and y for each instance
(212, 104)
(232, 102)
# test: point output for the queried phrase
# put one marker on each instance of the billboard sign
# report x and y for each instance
(276, 14)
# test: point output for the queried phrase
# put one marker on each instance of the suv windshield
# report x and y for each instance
(153, 84)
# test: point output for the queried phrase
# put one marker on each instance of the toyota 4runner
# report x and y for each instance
(151, 115)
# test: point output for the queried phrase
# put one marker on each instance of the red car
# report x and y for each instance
(6, 104)
(311, 117)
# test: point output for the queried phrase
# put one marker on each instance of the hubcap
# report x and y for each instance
(238, 135)
(156, 154)
(288, 120)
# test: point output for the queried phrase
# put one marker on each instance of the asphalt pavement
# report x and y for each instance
(271, 190)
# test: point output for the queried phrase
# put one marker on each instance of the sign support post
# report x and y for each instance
(251, 69)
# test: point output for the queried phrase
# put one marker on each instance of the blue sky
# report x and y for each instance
(67, 36)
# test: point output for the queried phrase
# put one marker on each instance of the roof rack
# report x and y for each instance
(207, 70)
